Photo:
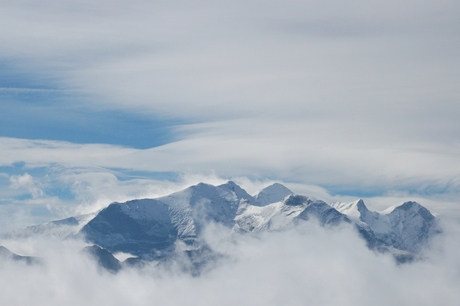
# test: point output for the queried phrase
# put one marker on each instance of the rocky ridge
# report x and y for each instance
(157, 229)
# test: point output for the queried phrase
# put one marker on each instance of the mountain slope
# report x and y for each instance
(60, 229)
(406, 227)
(271, 194)
(285, 214)
(161, 228)
(151, 227)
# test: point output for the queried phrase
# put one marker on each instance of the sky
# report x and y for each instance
(105, 101)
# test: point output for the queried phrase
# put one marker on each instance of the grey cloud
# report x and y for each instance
(333, 29)
(374, 113)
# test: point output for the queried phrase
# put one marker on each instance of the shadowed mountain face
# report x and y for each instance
(150, 227)
(104, 258)
(157, 229)
(136, 227)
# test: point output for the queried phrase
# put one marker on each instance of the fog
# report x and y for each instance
(310, 265)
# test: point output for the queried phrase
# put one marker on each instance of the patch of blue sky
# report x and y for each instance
(126, 175)
(52, 120)
(34, 107)
(44, 176)
(13, 78)
(428, 190)
(22, 197)
(365, 192)
(41, 212)
(369, 192)
(22, 168)
(63, 193)
(4, 177)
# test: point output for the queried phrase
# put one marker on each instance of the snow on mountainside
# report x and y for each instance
(406, 227)
(60, 229)
(271, 194)
(287, 213)
(151, 227)
(155, 229)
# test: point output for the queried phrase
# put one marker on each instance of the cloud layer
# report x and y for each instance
(338, 99)
(358, 98)
(310, 265)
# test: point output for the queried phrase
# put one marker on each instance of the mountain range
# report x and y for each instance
(161, 229)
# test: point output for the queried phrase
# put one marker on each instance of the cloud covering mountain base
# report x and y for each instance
(309, 265)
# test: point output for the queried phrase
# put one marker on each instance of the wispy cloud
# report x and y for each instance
(28, 90)
(358, 98)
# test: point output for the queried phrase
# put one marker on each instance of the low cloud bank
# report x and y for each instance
(310, 265)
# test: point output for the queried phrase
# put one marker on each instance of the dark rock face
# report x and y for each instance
(296, 200)
(325, 214)
(118, 231)
(149, 228)
(104, 258)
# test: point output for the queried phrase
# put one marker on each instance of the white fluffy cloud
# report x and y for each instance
(28, 183)
(311, 265)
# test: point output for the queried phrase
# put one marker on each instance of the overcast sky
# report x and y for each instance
(110, 100)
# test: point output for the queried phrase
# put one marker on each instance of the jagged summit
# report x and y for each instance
(156, 229)
(239, 192)
(355, 210)
(405, 227)
(272, 194)
(410, 206)
(153, 226)
(294, 209)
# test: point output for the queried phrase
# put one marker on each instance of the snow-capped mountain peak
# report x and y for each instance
(230, 186)
(272, 194)
(355, 210)
(405, 227)
(153, 228)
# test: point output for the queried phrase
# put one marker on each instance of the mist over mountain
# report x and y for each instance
(172, 227)
(184, 248)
